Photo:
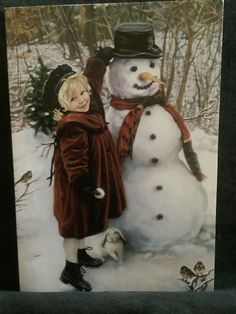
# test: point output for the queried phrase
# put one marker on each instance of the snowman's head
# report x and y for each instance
(131, 78)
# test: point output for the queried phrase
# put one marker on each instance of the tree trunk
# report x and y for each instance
(69, 35)
(172, 71)
(187, 63)
(163, 59)
(90, 30)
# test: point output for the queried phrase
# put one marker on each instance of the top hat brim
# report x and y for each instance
(137, 55)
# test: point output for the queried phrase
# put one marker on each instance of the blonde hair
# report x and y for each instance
(68, 88)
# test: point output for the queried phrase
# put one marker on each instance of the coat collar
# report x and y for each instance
(90, 120)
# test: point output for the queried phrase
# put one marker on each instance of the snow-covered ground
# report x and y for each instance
(41, 255)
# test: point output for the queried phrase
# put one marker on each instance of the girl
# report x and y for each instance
(88, 188)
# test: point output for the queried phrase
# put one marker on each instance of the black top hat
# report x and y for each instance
(53, 85)
(135, 40)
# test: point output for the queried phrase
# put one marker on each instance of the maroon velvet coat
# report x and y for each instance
(85, 159)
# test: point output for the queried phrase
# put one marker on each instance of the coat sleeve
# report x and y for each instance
(95, 71)
(74, 152)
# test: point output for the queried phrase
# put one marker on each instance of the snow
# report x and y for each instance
(41, 255)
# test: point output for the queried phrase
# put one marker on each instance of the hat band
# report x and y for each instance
(127, 53)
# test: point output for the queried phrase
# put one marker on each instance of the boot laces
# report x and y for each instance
(81, 271)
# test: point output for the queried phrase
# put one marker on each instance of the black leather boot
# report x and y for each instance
(73, 274)
(86, 260)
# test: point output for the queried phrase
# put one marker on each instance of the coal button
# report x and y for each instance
(159, 217)
(154, 160)
(159, 187)
(148, 112)
(153, 136)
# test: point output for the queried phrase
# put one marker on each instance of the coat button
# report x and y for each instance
(148, 113)
(159, 187)
(154, 160)
(153, 136)
(159, 217)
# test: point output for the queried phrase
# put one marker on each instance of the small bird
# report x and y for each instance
(187, 273)
(199, 268)
(25, 178)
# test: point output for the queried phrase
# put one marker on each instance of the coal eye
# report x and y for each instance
(133, 69)
(152, 65)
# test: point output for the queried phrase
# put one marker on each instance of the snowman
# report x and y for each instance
(166, 203)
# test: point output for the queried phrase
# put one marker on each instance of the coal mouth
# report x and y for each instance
(144, 86)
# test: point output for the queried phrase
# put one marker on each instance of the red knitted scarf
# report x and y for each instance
(130, 124)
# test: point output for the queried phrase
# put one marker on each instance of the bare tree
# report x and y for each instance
(68, 34)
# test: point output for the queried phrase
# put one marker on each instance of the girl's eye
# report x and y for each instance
(82, 92)
(73, 99)
(134, 69)
(152, 65)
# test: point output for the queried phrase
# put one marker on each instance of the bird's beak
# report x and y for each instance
(149, 76)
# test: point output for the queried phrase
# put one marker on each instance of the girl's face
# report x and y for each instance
(79, 100)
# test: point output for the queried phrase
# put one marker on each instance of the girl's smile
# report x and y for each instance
(80, 100)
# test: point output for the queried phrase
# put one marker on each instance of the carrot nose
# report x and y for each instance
(149, 76)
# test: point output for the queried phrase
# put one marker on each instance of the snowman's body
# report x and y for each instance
(165, 202)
